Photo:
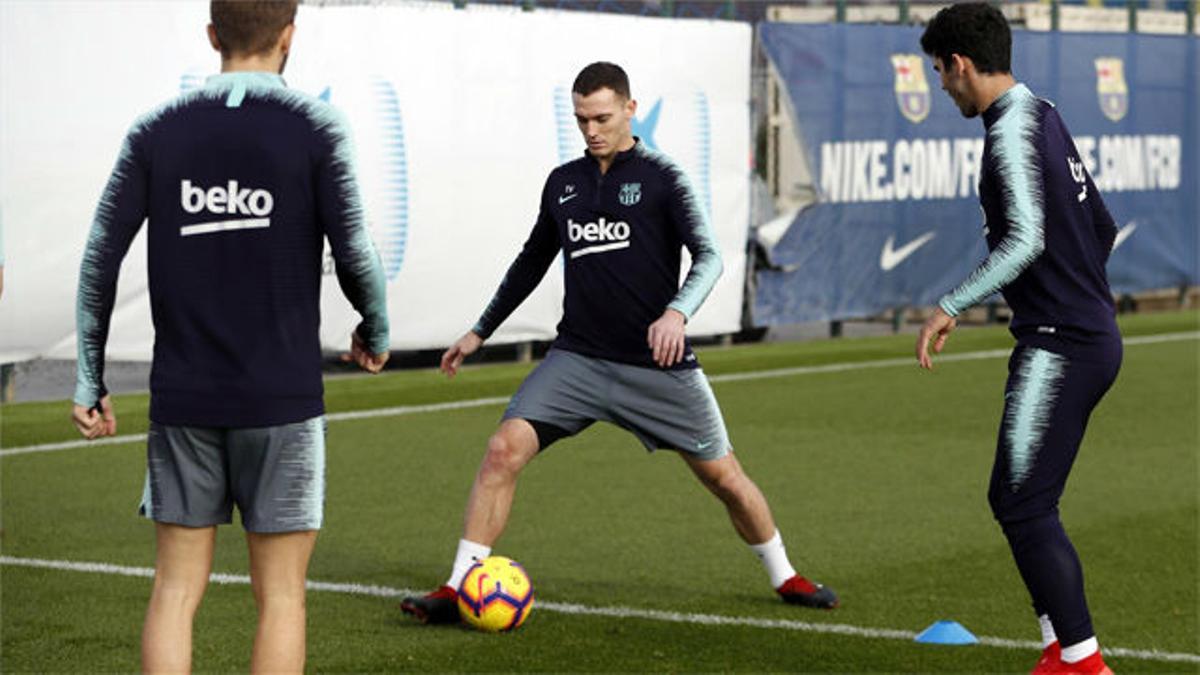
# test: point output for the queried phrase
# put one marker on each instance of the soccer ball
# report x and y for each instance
(495, 595)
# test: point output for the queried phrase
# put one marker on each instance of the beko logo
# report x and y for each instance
(230, 199)
(608, 236)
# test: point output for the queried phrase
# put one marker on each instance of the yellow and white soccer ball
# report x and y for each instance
(496, 595)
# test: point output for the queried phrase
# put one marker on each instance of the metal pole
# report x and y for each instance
(903, 18)
(8, 381)
(1132, 16)
(1054, 15)
(841, 11)
(1191, 16)
(524, 352)
(528, 5)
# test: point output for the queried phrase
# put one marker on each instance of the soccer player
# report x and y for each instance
(1049, 236)
(620, 215)
(240, 182)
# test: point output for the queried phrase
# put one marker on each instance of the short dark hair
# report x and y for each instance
(976, 30)
(600, 75)
(250, 26)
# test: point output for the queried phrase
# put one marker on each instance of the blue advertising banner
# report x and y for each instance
(897, 221)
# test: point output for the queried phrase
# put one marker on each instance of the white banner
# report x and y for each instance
(458, 115)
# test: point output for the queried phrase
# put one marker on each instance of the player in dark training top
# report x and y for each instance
(1049, 236)
(620, 215)
(240, 182)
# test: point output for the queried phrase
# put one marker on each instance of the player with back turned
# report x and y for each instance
(240, 182)
(1049, 236)
(620, 215)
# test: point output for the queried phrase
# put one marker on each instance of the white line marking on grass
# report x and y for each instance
(332, 417)
(728, 377)
(613, 612)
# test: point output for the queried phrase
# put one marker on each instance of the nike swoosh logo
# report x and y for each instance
(1124, 233)
(889, 257)
(701, 446)
(566, 198)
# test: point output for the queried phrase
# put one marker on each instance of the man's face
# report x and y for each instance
(954, 83)
(604, 120)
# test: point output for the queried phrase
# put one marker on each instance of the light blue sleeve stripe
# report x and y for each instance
(697, 234)
(1018, 168)
(119, 215)
(359, 268)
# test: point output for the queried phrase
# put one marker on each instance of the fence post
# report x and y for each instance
(7, 382)
(524, 352)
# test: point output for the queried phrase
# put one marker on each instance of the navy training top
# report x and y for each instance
(240, 181)
(1048, 232)
(621, 233)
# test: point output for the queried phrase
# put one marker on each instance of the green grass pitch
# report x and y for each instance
(876, 475)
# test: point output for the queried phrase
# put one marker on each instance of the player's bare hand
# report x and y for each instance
(464, 347)
(937, 328)
(666, 338)
(368, 361)
(97, 421)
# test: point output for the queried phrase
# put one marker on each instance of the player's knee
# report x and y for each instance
(280, 597)
(729, 486)
(1009, 508)
(179, 593)
(503, 456)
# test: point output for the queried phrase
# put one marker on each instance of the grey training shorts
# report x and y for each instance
(672, 409)
(275, 475)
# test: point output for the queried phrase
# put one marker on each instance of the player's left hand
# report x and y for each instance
(97, 421)
(666, 338)
(372, 363)
(939, 324)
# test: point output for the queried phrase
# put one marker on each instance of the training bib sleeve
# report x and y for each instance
(119, 216)
(359, 270)
(1018, 170)
(688, 217)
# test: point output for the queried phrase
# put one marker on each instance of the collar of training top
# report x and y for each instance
(622, 155)
(237, 83)
(1003, 102)
(260, 78)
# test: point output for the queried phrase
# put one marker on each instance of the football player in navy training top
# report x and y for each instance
(1049, 236)
(621, 215)
(240, 182)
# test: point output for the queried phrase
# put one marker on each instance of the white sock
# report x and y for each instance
(468, 554)
(774, 558)
(1048, 636)
(1080, 650)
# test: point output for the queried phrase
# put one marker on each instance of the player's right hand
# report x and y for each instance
(372, 363)
(464, 347)
(937, 328)
(97, 421)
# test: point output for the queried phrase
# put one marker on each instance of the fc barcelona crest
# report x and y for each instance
(1110, 86)
(631, 193)
(912, 90)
